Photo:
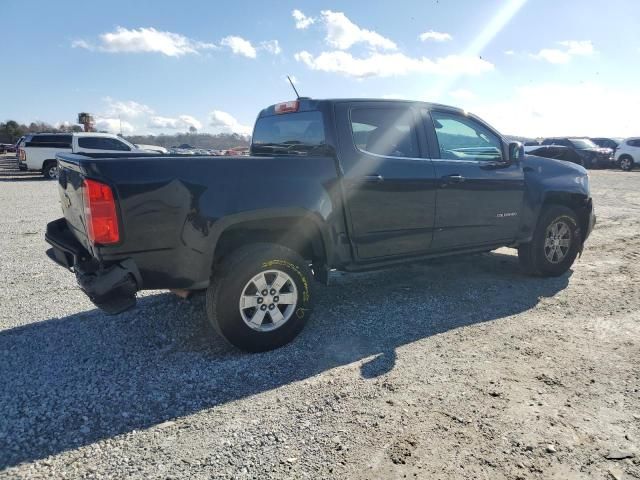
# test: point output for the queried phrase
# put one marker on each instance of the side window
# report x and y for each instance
(101, 143)
(390, 132)
(634, 143)
(462, 138)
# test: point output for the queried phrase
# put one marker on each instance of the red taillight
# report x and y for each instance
(287, 107)
(22, 155)
(100, 213)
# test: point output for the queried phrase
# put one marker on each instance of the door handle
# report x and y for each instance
(374, 178)
(455, 178)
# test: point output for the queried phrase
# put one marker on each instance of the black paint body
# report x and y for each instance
(364, 211)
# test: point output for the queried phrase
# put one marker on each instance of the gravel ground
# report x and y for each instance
(460, 368)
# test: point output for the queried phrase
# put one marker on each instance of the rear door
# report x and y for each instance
(388, 179)
(480, 193)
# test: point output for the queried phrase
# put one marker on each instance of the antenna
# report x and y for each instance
(293, 86)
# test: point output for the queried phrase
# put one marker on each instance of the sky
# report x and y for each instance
(528, 67)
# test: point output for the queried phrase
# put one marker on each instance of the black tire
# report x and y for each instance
(228, 285)
(50, 170)
(533, 256)
(626, 163)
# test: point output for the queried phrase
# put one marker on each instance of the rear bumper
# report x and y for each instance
(111, 288)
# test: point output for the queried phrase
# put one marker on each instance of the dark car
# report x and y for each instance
(608, 142)
(558, 152)
(592, 155)
(348, 184)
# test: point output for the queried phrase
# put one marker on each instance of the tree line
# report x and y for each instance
(11, 131)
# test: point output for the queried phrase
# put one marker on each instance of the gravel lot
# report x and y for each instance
(460, 368)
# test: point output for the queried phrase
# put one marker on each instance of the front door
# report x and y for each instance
(388, 183)
(480, 192)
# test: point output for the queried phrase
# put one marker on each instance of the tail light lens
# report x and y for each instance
(100, 213)
(287, 107)
(22, 155)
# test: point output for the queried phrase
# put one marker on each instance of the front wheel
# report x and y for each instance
(626, 163)
(555, 243)
(260, 297)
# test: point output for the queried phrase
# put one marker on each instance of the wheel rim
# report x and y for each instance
(53, 172)
(624, 163)
(268, 300)
(557, 241)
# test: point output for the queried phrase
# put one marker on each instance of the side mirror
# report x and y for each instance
(516, 152)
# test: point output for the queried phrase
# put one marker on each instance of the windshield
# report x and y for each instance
(291, 134)
(582, 143)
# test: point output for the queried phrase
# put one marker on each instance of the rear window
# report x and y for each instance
(48, 141)
(102, 143)
(299, 133)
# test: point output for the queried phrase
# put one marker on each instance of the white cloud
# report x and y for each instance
(239, 46)
(271, 46)
(563, 55)
(302, 21)
(114, 125)
(342, 33)
(82, 44)
(182, 122)
(127, 109)
(552, 55)
(462, 94)
(553, 109)
(145, 40)
(392, 64)
(294, 79)
(435, 36)
(227, 123)
(578, 47)
(509, 52)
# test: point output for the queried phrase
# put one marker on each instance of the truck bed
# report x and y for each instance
(170, 207)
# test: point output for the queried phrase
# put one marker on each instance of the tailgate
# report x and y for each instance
(70, 181)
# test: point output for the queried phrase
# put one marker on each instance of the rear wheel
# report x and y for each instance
(626, 163)
(555, 243)
(50, 170)
(260, 297)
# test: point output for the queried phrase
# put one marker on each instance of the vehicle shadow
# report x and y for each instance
(69, 382)
(9, 171)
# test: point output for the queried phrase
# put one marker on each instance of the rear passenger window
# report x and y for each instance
(48, 141)
(462, 138)
(634, 143)
(389, 132)
(102, 143)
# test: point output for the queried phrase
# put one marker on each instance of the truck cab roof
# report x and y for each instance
(308, 104)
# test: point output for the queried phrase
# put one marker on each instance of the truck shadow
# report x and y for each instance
(69, 382)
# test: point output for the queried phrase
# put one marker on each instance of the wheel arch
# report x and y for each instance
(580, 203)
(297, 229)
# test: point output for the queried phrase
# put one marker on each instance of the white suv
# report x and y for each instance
(38, 152)
(628, 153)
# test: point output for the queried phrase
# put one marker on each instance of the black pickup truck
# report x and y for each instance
(330, 184)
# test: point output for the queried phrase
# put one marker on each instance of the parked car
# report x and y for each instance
(151, 148)
(331, 184)
(555, 151)
(592, 155)
(38, 153)
(628, 153)
(607, 142)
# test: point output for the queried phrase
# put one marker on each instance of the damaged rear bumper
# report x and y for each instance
(111, 288)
